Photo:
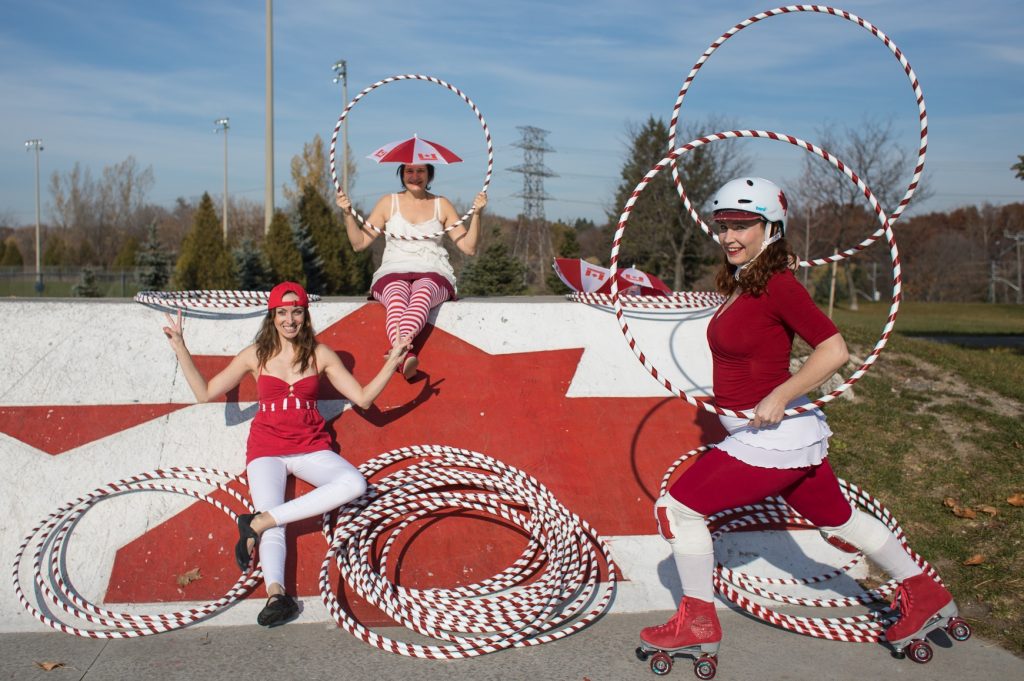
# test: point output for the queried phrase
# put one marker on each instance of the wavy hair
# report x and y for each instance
(754, 278)
(268, 342)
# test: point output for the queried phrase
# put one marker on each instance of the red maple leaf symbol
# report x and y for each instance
(602, 457)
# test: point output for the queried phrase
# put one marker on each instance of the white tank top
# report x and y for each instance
(425, 255)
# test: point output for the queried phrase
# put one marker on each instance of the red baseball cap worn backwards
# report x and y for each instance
(278, 292)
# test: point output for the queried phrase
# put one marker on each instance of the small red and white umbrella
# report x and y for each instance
(634, 282)
(580, 275)
(414, 150)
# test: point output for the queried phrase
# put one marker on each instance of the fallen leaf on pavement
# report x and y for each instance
(49, 666)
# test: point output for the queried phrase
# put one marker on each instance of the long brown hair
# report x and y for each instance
(268, 342)
(754, 278)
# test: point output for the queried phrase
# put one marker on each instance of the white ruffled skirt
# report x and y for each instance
(796, 442)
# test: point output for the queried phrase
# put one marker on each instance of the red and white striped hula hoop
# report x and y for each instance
(807, 146)
(553, 590)
(770, 514)
(677, 300)
(55, 595)
(875, 31)
(207, 299)
(463, 97)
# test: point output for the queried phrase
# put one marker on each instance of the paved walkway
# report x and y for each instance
(604, 652)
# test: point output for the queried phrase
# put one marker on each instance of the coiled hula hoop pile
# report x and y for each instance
(563, 581)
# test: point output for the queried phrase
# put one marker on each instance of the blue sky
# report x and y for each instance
(102, 80)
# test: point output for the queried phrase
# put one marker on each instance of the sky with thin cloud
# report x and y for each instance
(103, 80)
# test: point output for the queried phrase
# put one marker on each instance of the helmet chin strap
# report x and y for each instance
(768, 241)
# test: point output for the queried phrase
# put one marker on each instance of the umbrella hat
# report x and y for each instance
(414, 150)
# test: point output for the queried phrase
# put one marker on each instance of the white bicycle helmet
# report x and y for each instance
(746, 197)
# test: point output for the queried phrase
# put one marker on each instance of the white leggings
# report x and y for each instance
(337, 482)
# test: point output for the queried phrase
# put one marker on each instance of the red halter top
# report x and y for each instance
(287, 419)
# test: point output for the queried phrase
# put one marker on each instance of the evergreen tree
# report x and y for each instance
(328, 242)
(87, 286)
(660, 236)
(204, 262)
(567, 246)
(125, 259)
(251, 266)
(3, 249)
(493, 273)
(12, 254)
(282, 255)
(312, 265)
(153, 262)
(55, 252)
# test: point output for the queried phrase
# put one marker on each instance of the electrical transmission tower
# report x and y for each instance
(533, 238)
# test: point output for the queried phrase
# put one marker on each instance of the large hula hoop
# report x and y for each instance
(430, 79)
(777, 137)
(874, 30)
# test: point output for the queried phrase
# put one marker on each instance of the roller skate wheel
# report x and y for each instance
(920, 652)
(661, 663)
(642, 654)
(705, 667)
(958, 629)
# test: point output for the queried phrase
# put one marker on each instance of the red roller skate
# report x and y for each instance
(924, 605)
(693, 631)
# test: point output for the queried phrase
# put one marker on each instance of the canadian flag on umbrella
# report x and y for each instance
(414, 150)
(583, 277)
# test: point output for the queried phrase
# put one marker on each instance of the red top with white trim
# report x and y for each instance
(287, 419)
(751, 341)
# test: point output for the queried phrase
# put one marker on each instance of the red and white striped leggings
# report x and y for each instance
(407, 304)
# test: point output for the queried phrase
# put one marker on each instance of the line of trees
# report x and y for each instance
(107, 222)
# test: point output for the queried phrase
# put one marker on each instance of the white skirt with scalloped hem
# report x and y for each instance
(796, 442)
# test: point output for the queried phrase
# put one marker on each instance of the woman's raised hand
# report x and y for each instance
(342, 201)
(175, 331)
(480, 201)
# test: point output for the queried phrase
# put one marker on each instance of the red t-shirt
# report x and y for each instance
(751, 341)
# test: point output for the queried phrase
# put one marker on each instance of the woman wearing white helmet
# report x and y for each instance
(751, 337)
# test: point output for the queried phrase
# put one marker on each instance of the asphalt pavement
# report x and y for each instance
(602, 652)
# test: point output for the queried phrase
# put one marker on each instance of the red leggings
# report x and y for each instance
(718, 482)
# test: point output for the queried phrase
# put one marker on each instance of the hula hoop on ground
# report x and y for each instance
(874, 30)
(430, 79)
(551, 591)
(769, 514)
(49, 541)
(807, 146)
(207, 299)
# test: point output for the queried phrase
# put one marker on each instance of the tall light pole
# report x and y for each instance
(341, 74)
(37, 146)
(223, 123)
(268, 142)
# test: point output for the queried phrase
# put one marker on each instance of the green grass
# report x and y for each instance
(933, 421)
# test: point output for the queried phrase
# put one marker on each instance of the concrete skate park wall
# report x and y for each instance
(90, 393)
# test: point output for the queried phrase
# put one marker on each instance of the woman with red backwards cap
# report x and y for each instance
(751, 336)
(288, 434)
(414, 277)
